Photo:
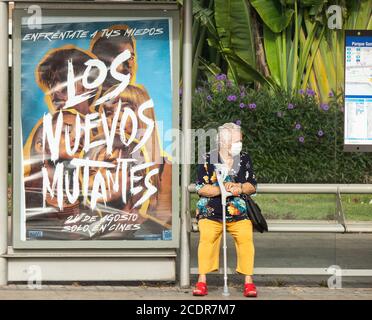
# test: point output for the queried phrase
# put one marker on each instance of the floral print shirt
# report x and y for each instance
(211, 207)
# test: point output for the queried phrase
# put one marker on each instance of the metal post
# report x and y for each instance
(186, 143)
(222, 172)
(340, 215)
(225, 286)
(3, 141)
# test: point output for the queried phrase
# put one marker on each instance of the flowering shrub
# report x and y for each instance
(291, 139)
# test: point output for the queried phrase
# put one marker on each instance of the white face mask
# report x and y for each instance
(236, 148)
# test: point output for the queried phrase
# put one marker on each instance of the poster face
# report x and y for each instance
(358, 88)
(96, 99)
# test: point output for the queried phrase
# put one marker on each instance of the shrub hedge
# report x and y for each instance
(291, 139)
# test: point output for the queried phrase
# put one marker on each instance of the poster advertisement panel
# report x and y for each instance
(96, 98)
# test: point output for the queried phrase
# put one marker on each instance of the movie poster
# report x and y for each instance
(96, 99)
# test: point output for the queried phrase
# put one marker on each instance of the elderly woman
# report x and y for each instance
(240, 179)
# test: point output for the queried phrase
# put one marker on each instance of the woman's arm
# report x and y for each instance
(239, 188)
(209, 190)
(248, 188)
(204, 184)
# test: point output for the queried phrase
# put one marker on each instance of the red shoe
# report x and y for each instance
(250, 290)
(200, 289)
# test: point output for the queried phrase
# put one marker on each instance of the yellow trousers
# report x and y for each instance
(209, 245)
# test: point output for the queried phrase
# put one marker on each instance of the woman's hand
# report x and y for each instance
(236, 190)
(230, 185)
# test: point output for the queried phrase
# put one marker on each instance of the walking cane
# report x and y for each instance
(221, 172)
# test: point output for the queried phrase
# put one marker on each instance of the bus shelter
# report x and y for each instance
(95, 95)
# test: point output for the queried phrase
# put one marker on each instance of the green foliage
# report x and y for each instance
(300, 51)
(269, 122)
(229, 34)
(273, 13)
(233, 22)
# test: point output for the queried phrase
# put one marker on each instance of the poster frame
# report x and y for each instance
(90, 10)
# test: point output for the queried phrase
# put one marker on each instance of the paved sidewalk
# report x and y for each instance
(171, 292)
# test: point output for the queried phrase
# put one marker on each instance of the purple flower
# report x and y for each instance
(221, 77)
(301, 139)
(242, 94)
(229, 83)
(298, 126)
(331, 94)
(242, 105)
(252, 106)
(279, 114)
(320, 133)
(310, 92)
(290, 106)
(324, 106)
(209, 98)
(219, 87)
(231, 98)
(238, 122)
(301, 91)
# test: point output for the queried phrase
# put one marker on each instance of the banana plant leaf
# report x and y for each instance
(273, 14)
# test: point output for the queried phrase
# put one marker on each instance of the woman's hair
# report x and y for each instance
(229, 125)
(226, 126)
